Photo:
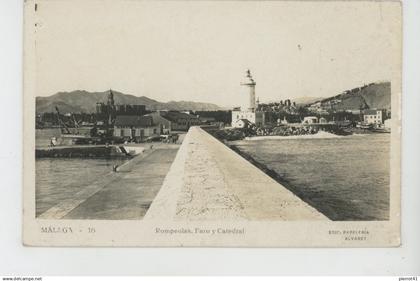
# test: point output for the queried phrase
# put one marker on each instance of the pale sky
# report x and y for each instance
(199, 50)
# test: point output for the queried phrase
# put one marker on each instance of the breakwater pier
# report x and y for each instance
(201, 179)
(209, 181)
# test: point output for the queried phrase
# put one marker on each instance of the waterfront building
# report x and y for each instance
(181, 121)
(255, 117)
(242, 123)
(136, 128)
(169, 121)
(310, 120)
(164, 124)
(373, 116)
(250, 111)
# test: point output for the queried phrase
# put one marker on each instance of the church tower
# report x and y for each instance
(111, 98)
(111, 108)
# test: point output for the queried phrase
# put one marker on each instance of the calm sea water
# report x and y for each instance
(58, 179)
(43, 136)
(346, 178)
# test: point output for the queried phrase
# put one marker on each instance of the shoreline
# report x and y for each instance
(318, 135)
(287, 132)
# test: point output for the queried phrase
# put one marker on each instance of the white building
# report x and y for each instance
(135, 127)
(256, 117)
(248, 111)
(373, 116)
(242, 123)
(310, 120)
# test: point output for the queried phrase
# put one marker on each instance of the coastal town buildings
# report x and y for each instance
(319, 108)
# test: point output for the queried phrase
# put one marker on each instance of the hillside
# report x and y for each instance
(374, 96)
(83, 101)
(306, 100)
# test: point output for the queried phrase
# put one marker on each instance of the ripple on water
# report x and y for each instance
(345, 178)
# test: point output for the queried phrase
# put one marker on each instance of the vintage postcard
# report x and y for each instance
(212, 123)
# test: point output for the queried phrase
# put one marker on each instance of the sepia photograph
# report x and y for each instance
(212, 123)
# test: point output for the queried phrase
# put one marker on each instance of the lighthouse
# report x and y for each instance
(249, 112)
(250, 84)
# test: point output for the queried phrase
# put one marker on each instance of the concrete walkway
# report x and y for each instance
(209, 181)
(126, 194)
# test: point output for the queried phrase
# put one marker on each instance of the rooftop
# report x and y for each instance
(133, 121)
(175, 115)
(370, 111)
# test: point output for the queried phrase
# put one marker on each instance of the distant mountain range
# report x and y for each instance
(372, 96)
(84, 101)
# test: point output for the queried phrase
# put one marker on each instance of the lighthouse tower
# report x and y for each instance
(249, 113)
(250, 84)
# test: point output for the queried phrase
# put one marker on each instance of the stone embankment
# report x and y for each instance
(209, 181)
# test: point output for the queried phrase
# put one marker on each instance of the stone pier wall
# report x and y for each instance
(209, 181)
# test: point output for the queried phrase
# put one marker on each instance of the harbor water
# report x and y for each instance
(346, 178)
(43, 136)
(59, 178)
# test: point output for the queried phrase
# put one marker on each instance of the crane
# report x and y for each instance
(61, 121)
